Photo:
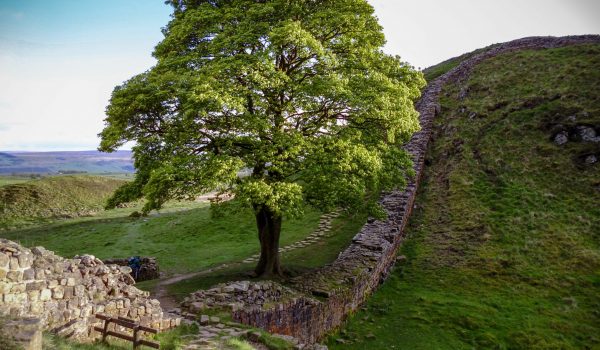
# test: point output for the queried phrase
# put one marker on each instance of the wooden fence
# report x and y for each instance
(127, 323)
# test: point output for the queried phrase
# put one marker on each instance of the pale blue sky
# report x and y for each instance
(60, 59)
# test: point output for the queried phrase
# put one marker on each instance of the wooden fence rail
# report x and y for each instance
(127, 323)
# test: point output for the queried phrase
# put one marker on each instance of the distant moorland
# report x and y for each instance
(65, 162)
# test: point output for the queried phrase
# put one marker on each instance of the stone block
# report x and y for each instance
(53, 284)
(25, 260)
(68, 292)
(111, 307)
(4, 260)
(20, 298)
(5, 287)
(15, 276)
(8, 298)
(18, 288)
(45, 295)
(29, 274)
(36, 308)
(58, 292)
(39, 285)
(204, 320)
(40, 251)
(79, 290)
(33, 295)
(14, 263)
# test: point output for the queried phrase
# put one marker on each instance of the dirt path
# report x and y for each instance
(169, 302)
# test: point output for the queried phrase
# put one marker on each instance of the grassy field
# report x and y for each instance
(10, 180)
(503, 250)
(294, 262)
(184, 237)
(52, 198)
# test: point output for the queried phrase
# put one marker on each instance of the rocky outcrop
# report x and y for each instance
(320, 300)
(65, 294)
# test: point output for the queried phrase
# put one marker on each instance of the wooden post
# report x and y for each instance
(135, 337)
(105, 331)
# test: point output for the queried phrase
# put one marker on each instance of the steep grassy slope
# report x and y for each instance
(53, 197)
(435, 71)
(503, 249)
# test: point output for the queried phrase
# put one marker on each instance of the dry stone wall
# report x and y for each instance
(321, 299)
(65, 294)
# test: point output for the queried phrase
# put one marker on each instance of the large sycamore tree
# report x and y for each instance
(281, 103)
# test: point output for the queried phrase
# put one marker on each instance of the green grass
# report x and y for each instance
(53, 197)
(504, 246)
(10, 180)
(295, 262)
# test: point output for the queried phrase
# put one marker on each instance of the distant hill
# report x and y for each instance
(54, 197)
(66, 162)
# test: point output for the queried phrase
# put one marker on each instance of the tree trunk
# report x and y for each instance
(269, 228)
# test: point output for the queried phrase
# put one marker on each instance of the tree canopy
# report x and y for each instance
(296, 93)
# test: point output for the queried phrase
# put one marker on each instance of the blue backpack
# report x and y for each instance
(135, 262)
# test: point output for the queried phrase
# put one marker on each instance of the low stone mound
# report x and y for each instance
(65, 294)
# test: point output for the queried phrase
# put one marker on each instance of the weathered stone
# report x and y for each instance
(14, 263)
(58, 292)
(591, 159)
(25, 260)
(18, 288)
(14, 276)
(204, 320)
(4, 260)
(36, 285)
(45, 294)
(39, 251)
(561, 138)
(28, 274)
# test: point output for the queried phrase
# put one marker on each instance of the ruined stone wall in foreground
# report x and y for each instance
(65, 294)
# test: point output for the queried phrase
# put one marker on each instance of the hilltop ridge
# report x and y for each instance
(56, 162)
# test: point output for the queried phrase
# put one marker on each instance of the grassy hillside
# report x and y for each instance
(435, 71)
(503, 249)
(53, 197)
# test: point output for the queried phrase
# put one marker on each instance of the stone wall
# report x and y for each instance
(148, 268)
(65, 294)
(321, 299)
